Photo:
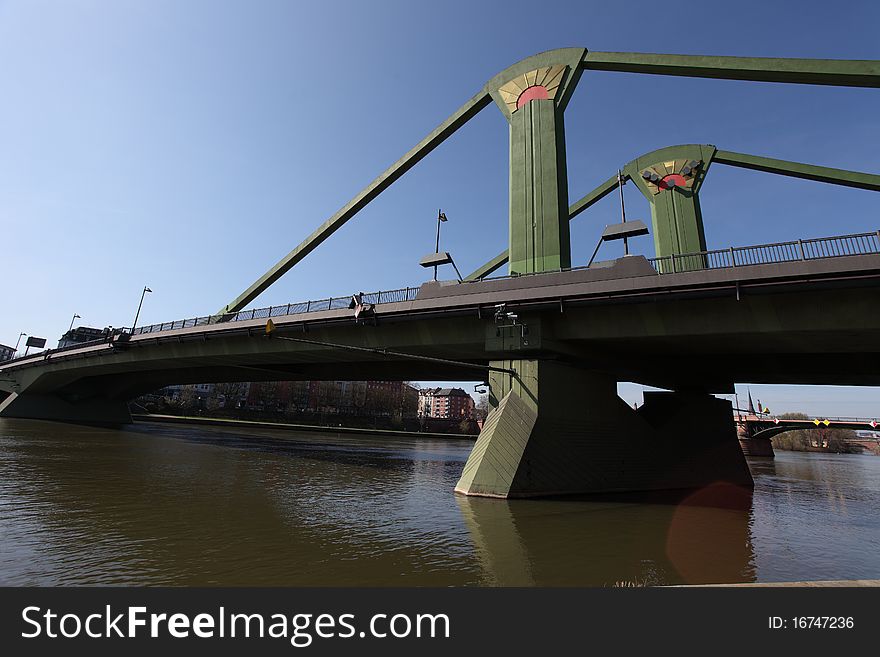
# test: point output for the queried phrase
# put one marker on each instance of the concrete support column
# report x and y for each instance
(757, 447)
(93, 410)
(557, 430)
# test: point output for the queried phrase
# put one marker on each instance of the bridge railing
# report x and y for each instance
(331, 303)
(765, 254)
(742, 256)
(738, 256)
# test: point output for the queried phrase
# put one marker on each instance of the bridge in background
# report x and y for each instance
(547, 337)
(755, 430)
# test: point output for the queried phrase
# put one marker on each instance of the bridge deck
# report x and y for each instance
(811, 321)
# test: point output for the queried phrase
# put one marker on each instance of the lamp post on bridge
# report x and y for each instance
(20, 335)
(137, 314)
(75, 316)
(441, 216)
(620, 183)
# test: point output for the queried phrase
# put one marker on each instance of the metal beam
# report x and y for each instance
(387, 352)
(573, 210)
(843, 177)
(461, 116)
(836, 72)
(494, 264)
(595, 196)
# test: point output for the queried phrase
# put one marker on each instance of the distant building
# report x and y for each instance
(6, 353)
(446, 403)
(426, 401)
(82, 334)
(198, 389)
(391, 398)
(370, 398)
(342, 397)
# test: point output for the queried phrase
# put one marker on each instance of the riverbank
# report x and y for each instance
(286, 426)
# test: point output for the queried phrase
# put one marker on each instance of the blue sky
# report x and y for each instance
(188, 146)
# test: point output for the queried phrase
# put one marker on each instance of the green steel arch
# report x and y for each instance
(539, 211)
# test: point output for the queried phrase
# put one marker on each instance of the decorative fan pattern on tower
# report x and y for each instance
(667, 175)
(540, 84)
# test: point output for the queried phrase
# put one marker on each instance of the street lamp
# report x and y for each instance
(441, 216)
(75, 316)
(137, 314)
(621, 181)
(17, 341)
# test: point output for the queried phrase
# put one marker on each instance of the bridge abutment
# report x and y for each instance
(92, 410)
(556, 430)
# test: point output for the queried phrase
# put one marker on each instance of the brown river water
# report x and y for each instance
(159, 504)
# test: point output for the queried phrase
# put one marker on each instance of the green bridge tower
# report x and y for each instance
(533, 95)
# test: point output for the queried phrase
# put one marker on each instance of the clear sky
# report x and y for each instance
(189, 145)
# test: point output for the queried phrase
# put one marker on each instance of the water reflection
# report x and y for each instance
(159, 504)
(581, 542)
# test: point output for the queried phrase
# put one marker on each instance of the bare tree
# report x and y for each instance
(481, 410)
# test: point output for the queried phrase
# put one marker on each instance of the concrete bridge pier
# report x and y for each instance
(757, 446)
(89, 410)
(554, 429)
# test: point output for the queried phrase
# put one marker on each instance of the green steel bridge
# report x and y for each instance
(550, 340)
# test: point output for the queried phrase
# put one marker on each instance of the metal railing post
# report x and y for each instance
(732, 258)
(801, 249)
(673, 263)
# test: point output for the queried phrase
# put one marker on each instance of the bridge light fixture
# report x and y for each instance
(137, 314)
(20, 336)
(633, 228)
(75, 316)
(441, 218)
(621, 231)
(437, 259)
